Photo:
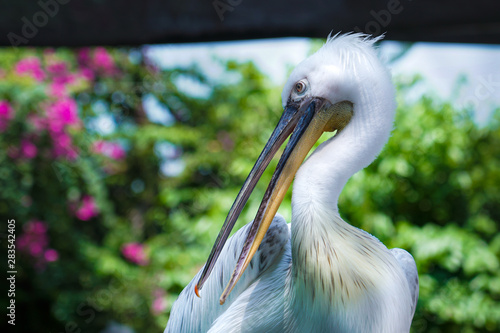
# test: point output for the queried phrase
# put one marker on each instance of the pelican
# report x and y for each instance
(318, 274)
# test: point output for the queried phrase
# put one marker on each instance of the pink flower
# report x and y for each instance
(28, 149)
(51, 255)
(83, 56)
(57, 68)
(63, 112)
(30, 66)
(110, 149)
(60, 74)
(63, 140)
(34, 242)
(65, 79)
(6, 114)
(60, 114)
(134, 252)
(34, 238)
(159, 302)
(117, 152)
(87, 74)
(99, 60)
(63, 146)
(88, 209)
(38, 227)
(103, 60)
(72, 154)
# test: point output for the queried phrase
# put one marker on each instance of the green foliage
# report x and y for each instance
(433, 191)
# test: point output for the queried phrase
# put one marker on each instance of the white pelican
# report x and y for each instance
(322, 274)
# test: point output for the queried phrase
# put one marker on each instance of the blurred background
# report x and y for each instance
(127, 129)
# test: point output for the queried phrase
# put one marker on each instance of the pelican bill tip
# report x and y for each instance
(197, 291)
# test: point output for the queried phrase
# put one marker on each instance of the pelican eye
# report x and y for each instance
(300, 87)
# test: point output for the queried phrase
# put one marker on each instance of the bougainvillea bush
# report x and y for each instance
(107, 234)
(118, 181)
(55, 172)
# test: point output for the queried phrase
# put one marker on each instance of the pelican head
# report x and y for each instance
(324, 93)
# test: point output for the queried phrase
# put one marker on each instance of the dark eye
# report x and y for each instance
(300, 87)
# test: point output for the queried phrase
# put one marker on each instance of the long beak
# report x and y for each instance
(313, 117)
(286, 124)
(320, 116)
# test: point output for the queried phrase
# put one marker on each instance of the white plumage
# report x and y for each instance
(324, 275)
